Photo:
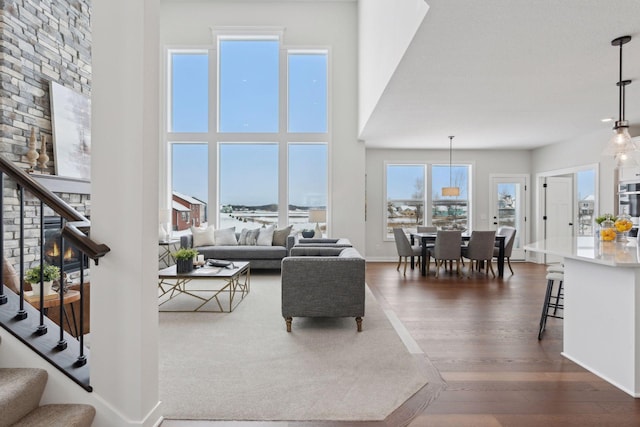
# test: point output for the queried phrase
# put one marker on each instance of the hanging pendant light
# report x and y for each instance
(620, 144)
(450, 191)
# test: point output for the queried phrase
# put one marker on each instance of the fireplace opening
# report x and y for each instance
(53, 246)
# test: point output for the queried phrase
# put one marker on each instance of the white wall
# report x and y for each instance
(386, 27)
(124, 183)
(585, 150)
(323, 24)
(485, 162)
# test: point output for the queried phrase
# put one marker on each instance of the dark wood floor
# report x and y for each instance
(488, 368)
(481, 335)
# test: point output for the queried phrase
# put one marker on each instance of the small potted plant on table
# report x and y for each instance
(184, 259)
(49, 274)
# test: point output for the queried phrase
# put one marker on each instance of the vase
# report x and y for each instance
(184, 265)
(607, 231)
(46, 288)
(43, 159)
(623, 224)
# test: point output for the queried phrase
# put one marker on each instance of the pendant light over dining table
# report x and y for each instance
(620, 144)
(450, 191)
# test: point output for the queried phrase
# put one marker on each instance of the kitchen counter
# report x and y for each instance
(601, 330)
(590, 249)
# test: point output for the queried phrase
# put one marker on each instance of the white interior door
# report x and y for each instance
(558, 209)
(508, 204)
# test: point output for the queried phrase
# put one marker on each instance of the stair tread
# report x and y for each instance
(20, 392)
(59, 415)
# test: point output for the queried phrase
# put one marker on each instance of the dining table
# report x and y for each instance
(426, 238)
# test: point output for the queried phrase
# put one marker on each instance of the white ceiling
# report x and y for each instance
(510, 74)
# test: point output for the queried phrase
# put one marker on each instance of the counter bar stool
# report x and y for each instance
(552, 302)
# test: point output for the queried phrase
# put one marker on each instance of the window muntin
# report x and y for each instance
(248, 185)
(189, 109)
(248, 86)
(308, 182)
(450, 212)
(307, 92)
(405, 204)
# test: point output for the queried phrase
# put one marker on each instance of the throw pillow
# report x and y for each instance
(280, 236)
(226, 237)
(242, 239)
(265, 238)
(203, 236)
(252, 236)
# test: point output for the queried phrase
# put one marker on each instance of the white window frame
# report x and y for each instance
(213, 138)
(428, 206)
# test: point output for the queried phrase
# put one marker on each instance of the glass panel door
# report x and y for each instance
(508, 205)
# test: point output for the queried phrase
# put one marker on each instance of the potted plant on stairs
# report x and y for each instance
(184, 259)
(49, 274)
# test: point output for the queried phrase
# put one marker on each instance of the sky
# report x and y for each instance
(249, 104)
(401, 180)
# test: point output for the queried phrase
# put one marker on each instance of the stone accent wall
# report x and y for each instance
(40, 41)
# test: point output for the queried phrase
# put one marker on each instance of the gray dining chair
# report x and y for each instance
(404, 248)
(509, 239)
(480, 248)
(446, 248)
(427, 229)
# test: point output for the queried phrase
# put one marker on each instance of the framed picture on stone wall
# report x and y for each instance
(71, 121)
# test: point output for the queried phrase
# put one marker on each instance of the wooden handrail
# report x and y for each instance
(76, 226)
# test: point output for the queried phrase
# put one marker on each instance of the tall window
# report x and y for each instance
(248, 178)
(307, 92)
(188, 126)
(253, 132)
(189, 185)
(450, 212)
(189, 108)
(405, 197)
(307, 183)
(248, 85)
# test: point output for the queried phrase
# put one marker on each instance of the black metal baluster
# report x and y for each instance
(42, 328)
(62, 343)
(3, 297)
(21, 314)
(82, 359)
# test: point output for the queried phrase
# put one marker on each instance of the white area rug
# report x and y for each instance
(245, 366)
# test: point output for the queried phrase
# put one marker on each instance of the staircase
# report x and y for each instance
(20, 393)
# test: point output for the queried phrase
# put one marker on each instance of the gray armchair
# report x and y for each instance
(323, 282)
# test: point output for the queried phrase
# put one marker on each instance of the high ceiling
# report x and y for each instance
(510, 74)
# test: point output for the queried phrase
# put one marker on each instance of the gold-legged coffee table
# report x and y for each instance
(213, 282)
